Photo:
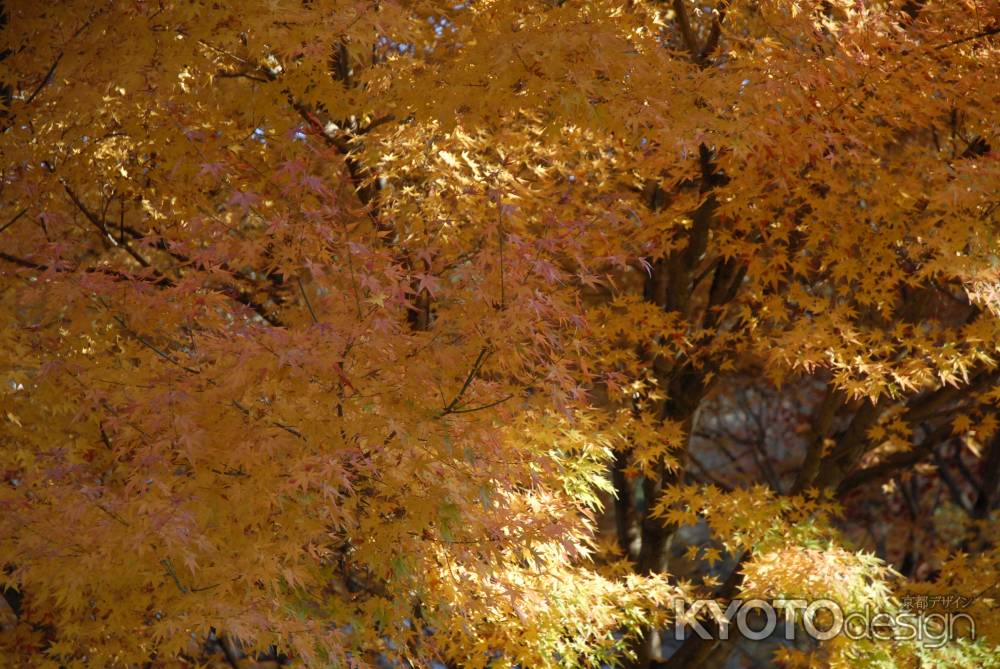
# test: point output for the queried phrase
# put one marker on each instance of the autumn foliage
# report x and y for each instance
(337, 333)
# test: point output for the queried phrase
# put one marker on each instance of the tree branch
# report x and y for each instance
(45, 81)
(13, 220)
(684, 23)
(451, 407)
(713, 36)
(99, 224)
(305, 297)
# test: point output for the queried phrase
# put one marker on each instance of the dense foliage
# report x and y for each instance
(330, 328)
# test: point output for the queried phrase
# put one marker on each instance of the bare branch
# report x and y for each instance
(684, 23)
(99, 224)
(305, 297)
(45, 80)
(482, 406)
(14, 220)
(452, 406)
(713, 37)
(142, 340)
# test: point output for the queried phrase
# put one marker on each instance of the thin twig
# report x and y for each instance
(99, 224)
(278, 424)
(503, 298)
(45, 80)
(172, 573)
(21, 262)
(483, 352)
(14, 220)
(142, 340)
(111, 513)
(306, 298)
(482, 406)
(223, 74)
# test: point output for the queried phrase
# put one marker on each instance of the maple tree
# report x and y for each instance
(331, 327)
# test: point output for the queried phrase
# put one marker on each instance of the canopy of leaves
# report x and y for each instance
(333, 326)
